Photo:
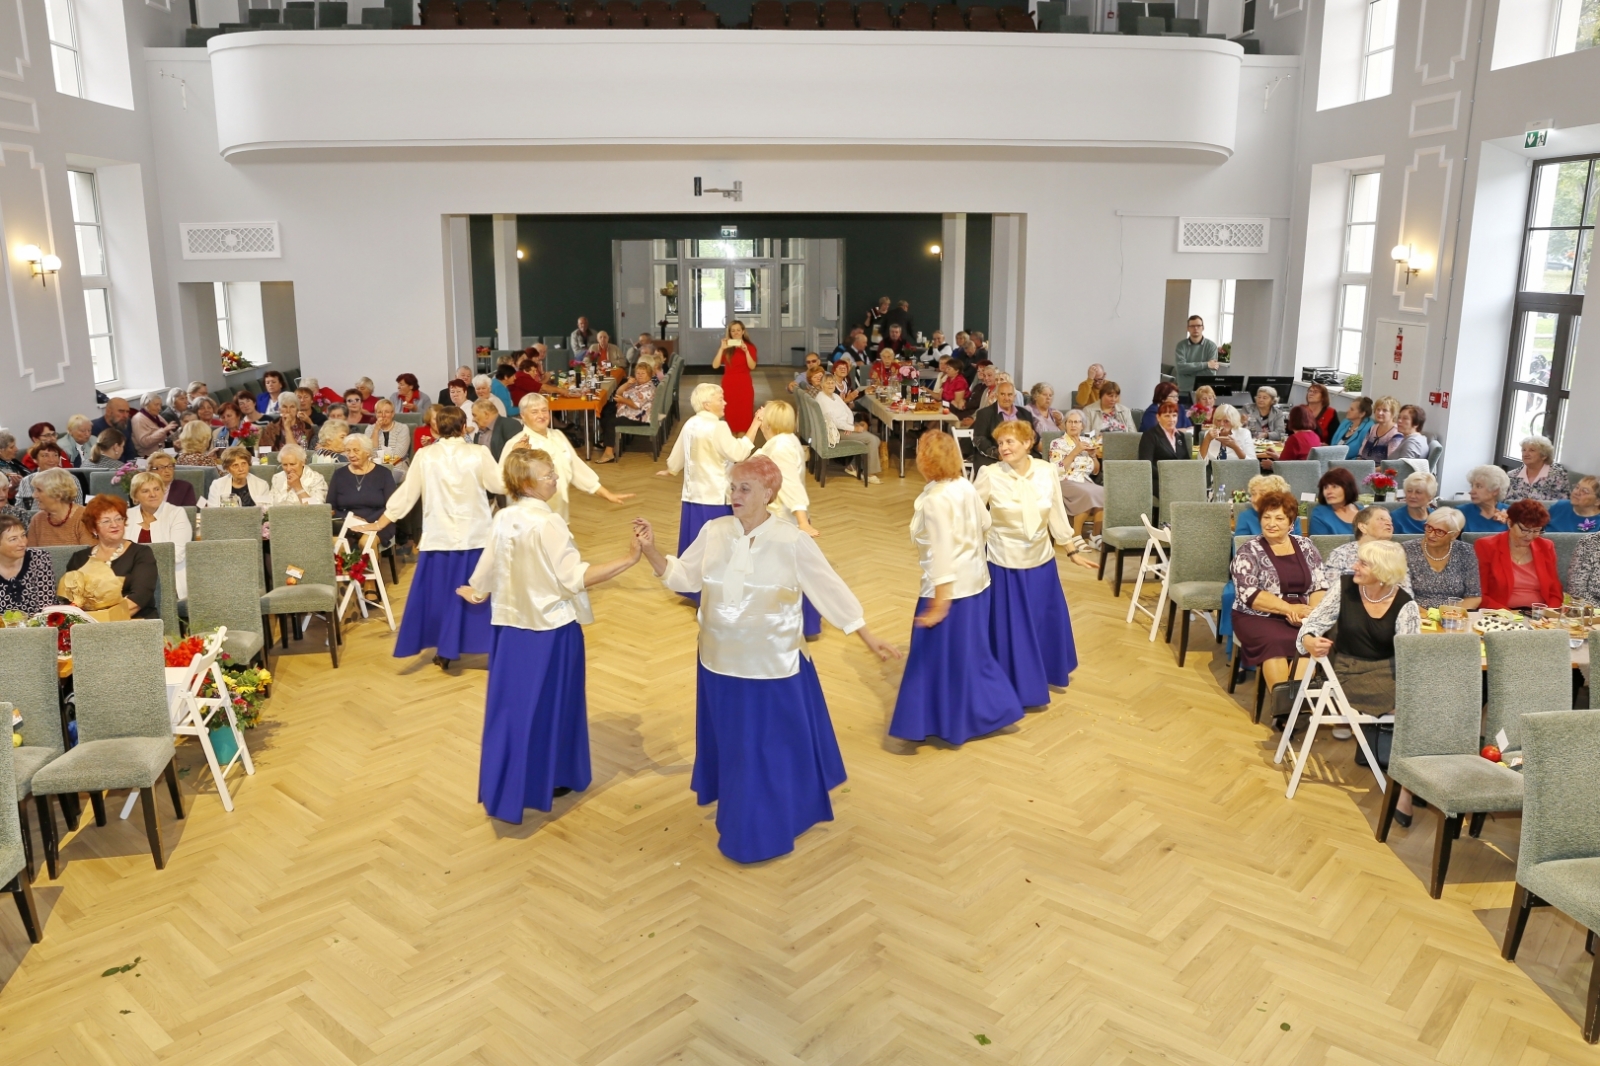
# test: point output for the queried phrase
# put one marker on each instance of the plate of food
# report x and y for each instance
(1500, 622)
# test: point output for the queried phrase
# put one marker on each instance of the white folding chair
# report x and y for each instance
(1327, 703)
(1157, 544)
(369, 549)
(968, 471)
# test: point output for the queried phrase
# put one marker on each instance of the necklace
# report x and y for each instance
(1379, 599)
(1435, 558)
(63, 521)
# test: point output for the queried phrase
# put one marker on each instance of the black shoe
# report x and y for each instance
(562, 791)
(1418, 801)
(1361, 760)
(1402, 819)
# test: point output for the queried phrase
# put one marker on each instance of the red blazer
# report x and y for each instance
(1495, 574)
(1327, 423)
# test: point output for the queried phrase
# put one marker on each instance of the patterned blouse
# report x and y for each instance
(1254, 573)
(1457, 581)
(1583, 576)
(1552, 484)
(634, 400)
(1082, 466)
(1342, 560)
(34, 587)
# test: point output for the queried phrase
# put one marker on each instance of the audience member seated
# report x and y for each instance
(1486, 487)
(951, 384)
(1539, 477)
(1420, 490)
(12, 470)
(484, 417)
(408, 398)
(1279, 579)
(46, 457)
(1368, 610)
(483, 389)
(117, 578)
(1303, 435)
(841, 424)
(894, 339)
(1073, 455)
(391, 440)
(295, 482)
(151, 432)
(330, 441)
(938, 347)
(1046, 419)
(1580, 513)
(155, 521)
(1518, 567)
(812, 360)
(1110, 414)
(107, 451)
(116, 415)
(354, 413)
(1165, 392)
(195, 444)
(174, 490)
(1443, 570)
(1323, 417)
(238, 487)
(852, 350)
(840, 381)
(1226, 437)
(1410, 443)
(309, 411)
(274, 387)
(294, 426)
(1371, 524)
(361, 487)
(1003, 410)
(367, 389)
(1385, 431)
(1335, 511)
(1203, 406)
(885, 370)
(504, 375)
(982, 394)
(80, 438)
(463, 377)
(234, 429)
(1163, 441)
(1263, 419)
(40, 433)
(424, 435)
(247, 407)
(1248, 522)
(529, 376)
(580, 339)
(631, 402)
(27, 578)
(1583, 574)
(59, 519)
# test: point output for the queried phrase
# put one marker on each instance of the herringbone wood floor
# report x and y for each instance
(1118, 879)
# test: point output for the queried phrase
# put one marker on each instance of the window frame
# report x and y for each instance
(1348, 278)
(1367, 51)
(72, 45)
(96, 282)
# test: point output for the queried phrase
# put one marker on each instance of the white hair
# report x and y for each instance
(291, 451)
(158, 397)
(1270, 391)
(702, 393)
(1490, 476)
(1423, 480)
(1449, 518)
(1543, 444)
(1228, 414)
(482, 381)
(532, 402)
(361, 439)
(1385, 558)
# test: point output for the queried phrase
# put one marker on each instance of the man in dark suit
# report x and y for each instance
(464, 375)
(504, 430)
(988, 419)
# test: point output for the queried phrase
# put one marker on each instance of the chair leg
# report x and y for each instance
(71, 809)
(1391, 803)
(152, 825)
(27, 837)
(97, 800)
(1104, 551)
(1261, 693)
(172, 789)
(1449, 829)
(333, 637)
(1522, 904)
(1233, 668)
(1116, 588)
(1183, 639)
(1591, 1012)
(22, 891)
(1476, 825)
(1172, 613)
(47, 834)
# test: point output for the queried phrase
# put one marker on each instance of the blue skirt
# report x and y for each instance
(953, 686)
(766, 755)
(810, 618)
(1030, 630)
(435, 616)
(690, 518)
(535, 720)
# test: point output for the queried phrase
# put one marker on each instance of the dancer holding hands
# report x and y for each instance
(705, 448)
(766, 753)
(793, 504)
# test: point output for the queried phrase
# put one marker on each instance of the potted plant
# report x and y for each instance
(1352, 383)
(1225, 352)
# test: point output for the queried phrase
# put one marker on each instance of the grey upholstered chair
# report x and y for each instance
(1326, 542)
(229, 523)
(221, 595)
(1119, 446)
(1327, 454)
(1530, 670)
(1199, 561)
(100, 484)
(1437, 707)
(14, 876)
(1127, 484)
(302, 537)
(1359, 469)
(1301, 474)
(124, 727)
(61, 557)
(167, 587)
(28, 680)
(1233, 475)
(1180, 481)
(1558, 864)
(198, 476)
(1565, 545)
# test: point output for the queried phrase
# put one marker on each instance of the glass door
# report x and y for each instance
(1542, 344)
(723, 292)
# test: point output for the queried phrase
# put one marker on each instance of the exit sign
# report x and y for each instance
(730, 232)
(1535, 138)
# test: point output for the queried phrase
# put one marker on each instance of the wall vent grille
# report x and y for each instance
(230, 240)
(1223, 234)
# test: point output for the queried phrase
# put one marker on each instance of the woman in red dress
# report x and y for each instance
(736, 356)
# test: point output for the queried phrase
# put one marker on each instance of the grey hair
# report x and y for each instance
(1542, 443)
(482, 381)
(292, 451)
(196, 386)
(1449, 518)
(1270, 391)
(1386, 560)
(361, 439)
(158, 397)
(173, 394)
(1422, 480)
(1228, 413)
(56, 484)
(333, 429)
(532, 402)
(1490, 476)
(703, 392)
(7, 438)
(364, 381)
(288, 399)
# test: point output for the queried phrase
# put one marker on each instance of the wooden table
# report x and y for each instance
(571, 401)
(888, 416)
(1580, 654)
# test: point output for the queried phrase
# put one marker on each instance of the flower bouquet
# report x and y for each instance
(1382, 482)
(351, 563)
(246, 684)
(233, 362)
(125, 473)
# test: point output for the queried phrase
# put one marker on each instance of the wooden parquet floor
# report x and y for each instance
(1117, 880)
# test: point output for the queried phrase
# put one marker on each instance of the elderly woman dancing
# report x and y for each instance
(536, 715)
(793, 503)
(571, 472)
(705, 448)
(451, 476)
(765, 749)
(953, 688)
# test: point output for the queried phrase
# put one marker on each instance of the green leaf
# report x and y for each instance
(112, 972)
(124, 1012)
(652, 934)
(126, 968)
(981, 1039)
(1284, 1027)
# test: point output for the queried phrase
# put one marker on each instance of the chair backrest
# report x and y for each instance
(1561, 788)
(332, 13)
(1529, 670)
(1127, 483)
(302, 536)
(1128, 16)
(408, 418)
(1327, 454)
(1301, 474)
(230, 523)
(1149, 26)
(1438, 694)
(1181, 480)
(1075, 24)
(218, 594)
(1120, 445)
(325, 469)
(1359, 468)
(28, 679)
(196, 475)
(1435, 454)
(1187, 27)
(100, 484)
(119, 677)
(1404, 468)
(61, 558)
(1326, 542)
(1233, 474)
(1565, 544)
(11, 844)
(166, 554)
(1200, 533)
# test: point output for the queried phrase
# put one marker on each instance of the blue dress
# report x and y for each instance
(1325, 522)
(1149, 419)
(1248, 524)
(1563, 519)
(1476, 523)
(1353, 450)
(1404, 523)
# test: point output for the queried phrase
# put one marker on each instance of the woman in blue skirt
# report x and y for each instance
(953, 688)
(1030, 631)
(793, 503)
(451, 475)
(705, 448)
(765, 752)
(535, 720)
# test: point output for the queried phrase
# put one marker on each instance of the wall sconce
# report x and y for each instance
(520, 254)
(42, 264)
(1410, 262)
(935, 250)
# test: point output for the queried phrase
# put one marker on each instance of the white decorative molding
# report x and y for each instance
(13, 42)
(1224, 234)
(1284, 8)
(17, 229)
(1449, 47)
(1433, 115)
(230, 240)
(1424, 204)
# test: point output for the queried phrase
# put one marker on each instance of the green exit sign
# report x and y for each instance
(1535, 138)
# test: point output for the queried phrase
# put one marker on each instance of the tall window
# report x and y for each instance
(1555, 272)
(1225, 318)
(1577, 26)
(61, 22)
(224, 330)
(86, 225)
(1355, 271)
(1377, 58)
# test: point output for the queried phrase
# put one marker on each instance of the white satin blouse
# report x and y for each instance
(531, 569)
(949, 526)
(570, 470)
(1025, 513)
(790, 455)
(705, 449)
(750, 588)
(451, 476)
